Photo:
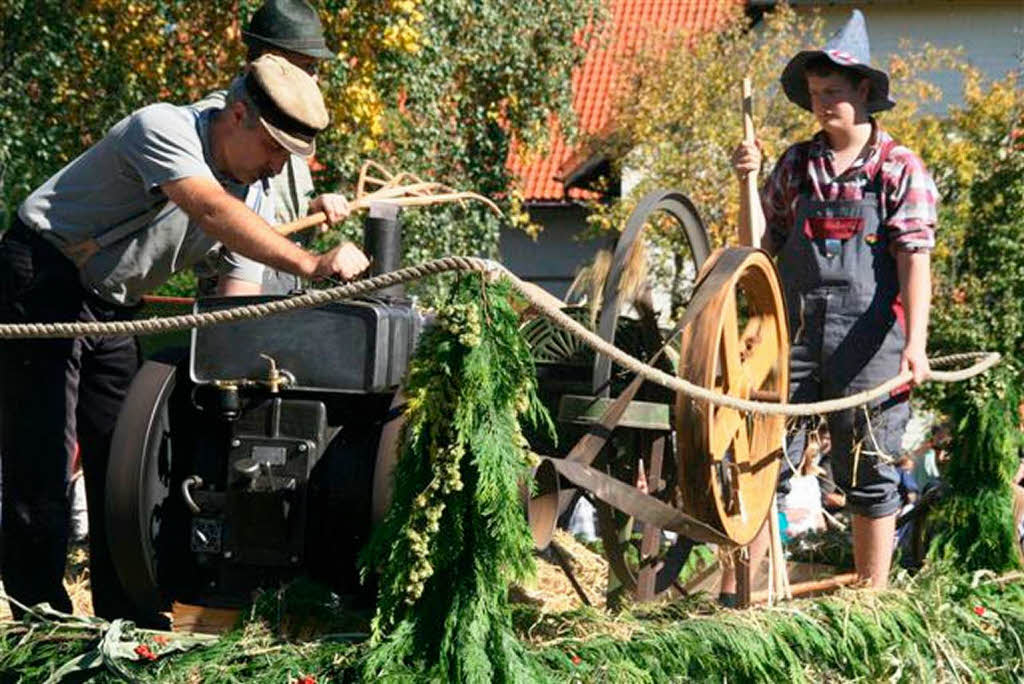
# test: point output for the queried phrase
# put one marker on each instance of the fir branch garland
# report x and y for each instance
(455, 536)
(942, 626)
(974, 523)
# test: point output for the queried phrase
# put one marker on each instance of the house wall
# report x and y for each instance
(991, 33)
(552, 259)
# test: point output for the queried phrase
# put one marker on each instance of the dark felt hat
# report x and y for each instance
(848, 48)
(290, 25)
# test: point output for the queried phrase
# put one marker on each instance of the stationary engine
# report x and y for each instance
(251, 457)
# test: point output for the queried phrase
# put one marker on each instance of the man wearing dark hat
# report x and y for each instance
(85, 246)
(290, 29)
(851, 216)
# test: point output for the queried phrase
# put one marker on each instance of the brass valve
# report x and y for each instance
(275, 378)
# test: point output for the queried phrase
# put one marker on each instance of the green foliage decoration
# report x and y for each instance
(455, 535)
(984, 289)
(940, 626)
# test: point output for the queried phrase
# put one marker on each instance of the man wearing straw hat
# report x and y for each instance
(85, 246)
(851, 216)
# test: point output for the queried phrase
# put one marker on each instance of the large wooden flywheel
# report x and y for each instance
(738, 345)
(718, 489)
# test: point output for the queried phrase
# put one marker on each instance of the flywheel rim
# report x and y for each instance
(730, 462)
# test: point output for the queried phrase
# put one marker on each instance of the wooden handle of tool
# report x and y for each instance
(301, 223)
(320, 217)
(750, 200)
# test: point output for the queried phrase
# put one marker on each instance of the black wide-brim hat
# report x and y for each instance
(290, 25)
(848, 48)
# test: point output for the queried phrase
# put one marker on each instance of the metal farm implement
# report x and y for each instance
(710, 470)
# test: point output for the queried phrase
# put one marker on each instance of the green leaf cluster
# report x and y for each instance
(983, 288)
(941, 626)
(455, 535)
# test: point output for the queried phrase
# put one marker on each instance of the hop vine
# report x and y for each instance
(456, 535)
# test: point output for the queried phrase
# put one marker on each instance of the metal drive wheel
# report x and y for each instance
(643, 560)
(738, 345)
(141, 502)
(667, 205)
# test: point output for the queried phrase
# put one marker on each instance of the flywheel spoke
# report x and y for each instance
(732, 367)
(727, 423)
(762, 357)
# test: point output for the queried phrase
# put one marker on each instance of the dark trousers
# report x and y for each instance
(52, 394)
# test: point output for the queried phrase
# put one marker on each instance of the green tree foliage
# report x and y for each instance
(441, 89)
(983, 287)
(436, 88)
(69, 70)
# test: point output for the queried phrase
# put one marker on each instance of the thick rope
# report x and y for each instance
(982, 360)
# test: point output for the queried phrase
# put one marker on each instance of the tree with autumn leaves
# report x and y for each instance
(439, 89)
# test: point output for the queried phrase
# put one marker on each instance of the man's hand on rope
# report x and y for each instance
(915, 360)
(345, 260)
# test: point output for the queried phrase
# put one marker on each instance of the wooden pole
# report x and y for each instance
(751, 216)
(814, 586)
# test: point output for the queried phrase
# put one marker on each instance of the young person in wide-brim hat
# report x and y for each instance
(851, 216)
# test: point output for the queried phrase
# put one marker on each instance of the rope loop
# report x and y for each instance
(980, 361)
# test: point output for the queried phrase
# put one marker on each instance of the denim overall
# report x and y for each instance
(847, 335)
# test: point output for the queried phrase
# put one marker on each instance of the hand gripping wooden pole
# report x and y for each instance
(752, 222)
(752, 227)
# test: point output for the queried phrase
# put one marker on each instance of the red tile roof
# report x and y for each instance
(632, 25)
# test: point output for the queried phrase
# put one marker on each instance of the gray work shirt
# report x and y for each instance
(291, 191)
(112, 194)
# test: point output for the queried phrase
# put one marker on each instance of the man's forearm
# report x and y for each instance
(914, 270)
(237, 227)
(242, 231)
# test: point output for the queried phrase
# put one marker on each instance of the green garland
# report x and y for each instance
(938, 626)
(455, 536)
(974, 524)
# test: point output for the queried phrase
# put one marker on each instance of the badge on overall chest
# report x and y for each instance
(829, 232)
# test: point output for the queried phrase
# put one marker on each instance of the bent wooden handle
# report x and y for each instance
(301, 223)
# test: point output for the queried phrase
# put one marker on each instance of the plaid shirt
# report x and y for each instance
(909, 195)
